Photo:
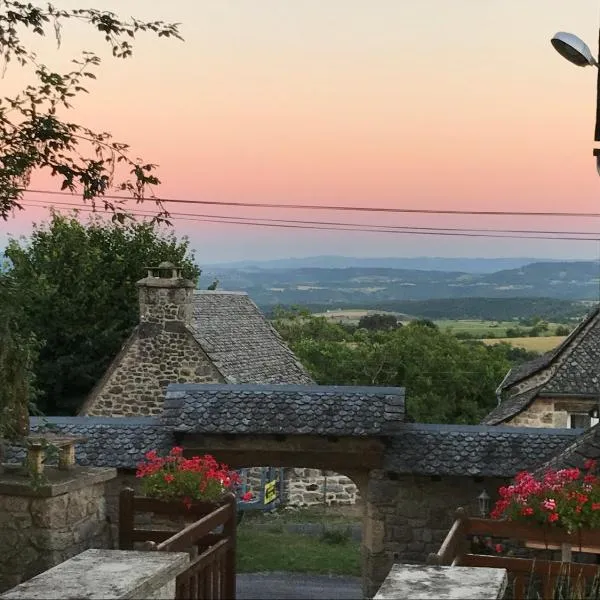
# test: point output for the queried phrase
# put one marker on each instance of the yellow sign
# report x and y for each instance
(270, 491)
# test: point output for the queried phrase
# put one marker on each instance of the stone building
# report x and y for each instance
(191, 336)
(560, 389)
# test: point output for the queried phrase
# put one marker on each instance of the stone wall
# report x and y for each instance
(408, 516)
(41, 527)
(551, 412)
(311, 487)
(135, 384)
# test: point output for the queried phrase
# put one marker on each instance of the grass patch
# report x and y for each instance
(261, 550)
(265, 545)
(536, 344)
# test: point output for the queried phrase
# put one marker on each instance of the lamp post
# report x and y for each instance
(577, 52)
(484, 504)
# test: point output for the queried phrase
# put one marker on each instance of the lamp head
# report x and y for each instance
(573, 49)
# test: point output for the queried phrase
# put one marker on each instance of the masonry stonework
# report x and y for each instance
(311, 487)
(40, 528)
(149, 363)
(408, 516)
(551, 412)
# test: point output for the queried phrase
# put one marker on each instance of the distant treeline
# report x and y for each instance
(486, 309)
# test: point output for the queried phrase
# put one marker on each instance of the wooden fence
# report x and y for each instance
(454, 551)
(211, 572)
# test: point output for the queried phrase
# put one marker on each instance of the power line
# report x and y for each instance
(333, 208)
(255, 223)
(346, 224)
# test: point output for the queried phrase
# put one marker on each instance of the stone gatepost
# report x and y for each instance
(45, 524)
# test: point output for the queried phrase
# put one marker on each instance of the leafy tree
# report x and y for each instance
(17, 356)
(562, 330)
(75, 285)
(378, 321)
(33, 133)
(446, 380)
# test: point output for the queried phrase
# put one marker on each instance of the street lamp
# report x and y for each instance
(577, 52)
(484, 504)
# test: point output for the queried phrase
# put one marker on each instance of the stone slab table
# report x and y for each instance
(107, 575)
(425, 582)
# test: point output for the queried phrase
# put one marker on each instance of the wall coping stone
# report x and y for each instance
(421, 582)
(57, 482)
(104, 574)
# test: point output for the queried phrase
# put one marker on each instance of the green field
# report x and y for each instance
(487, 329)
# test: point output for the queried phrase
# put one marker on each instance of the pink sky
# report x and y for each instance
(437, 104)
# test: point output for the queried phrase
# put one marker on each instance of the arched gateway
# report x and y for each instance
(411, 476)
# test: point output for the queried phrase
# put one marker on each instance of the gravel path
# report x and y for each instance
(297, 586)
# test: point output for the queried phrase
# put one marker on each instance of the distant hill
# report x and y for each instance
(466, 265)
(370, 287)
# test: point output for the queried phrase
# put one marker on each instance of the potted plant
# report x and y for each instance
(199, 481)
(557, 508)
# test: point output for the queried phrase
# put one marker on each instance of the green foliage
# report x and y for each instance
(562, 330)
(17, 356)
(446, 380)
(34, 136)
(75, 290)
(378, 321)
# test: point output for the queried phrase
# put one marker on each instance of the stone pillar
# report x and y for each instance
(43, 525)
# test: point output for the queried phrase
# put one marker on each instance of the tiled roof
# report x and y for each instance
(241, 342)
(472, 449)
(573, 339)
(283, 409)
(412, 448)
(511, 407)
(577, 371)
(586, 446)
(110, 441)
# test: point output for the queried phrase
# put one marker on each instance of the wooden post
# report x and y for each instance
(229, 530)
(566, 555)
(126, 517)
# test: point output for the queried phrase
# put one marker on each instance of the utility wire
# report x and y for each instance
(256, 223)
(41, 203)
(324, 207)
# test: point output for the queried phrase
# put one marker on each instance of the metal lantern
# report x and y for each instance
(484, 504)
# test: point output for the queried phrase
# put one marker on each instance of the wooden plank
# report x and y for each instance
(126, 516)
(160, 507)
(188, 536)
(525, 566)
(230, 529)
(512, 529)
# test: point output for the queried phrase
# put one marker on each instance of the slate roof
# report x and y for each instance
(511, 406)
(413, 448)
(279, 409)
(586, 446)
(537, 364)
(474, 450)
(241, 342)
(577, 372)
(111, 441)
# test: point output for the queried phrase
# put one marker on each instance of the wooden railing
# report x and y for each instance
(454, 551)
(211, 572)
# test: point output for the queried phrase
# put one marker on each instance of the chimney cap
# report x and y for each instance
(166, 265)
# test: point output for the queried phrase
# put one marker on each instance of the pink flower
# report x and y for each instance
(247, 497)
(553, 517)
(549, 504)
(498, 548)
(589, 464)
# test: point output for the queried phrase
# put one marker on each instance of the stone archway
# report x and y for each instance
(357, 458)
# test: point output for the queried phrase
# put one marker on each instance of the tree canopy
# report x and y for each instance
(34, 135)
(447, 380)
(74, 286)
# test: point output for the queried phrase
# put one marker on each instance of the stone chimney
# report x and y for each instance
(166, 300)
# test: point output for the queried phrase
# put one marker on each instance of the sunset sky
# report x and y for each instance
(437, 104)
